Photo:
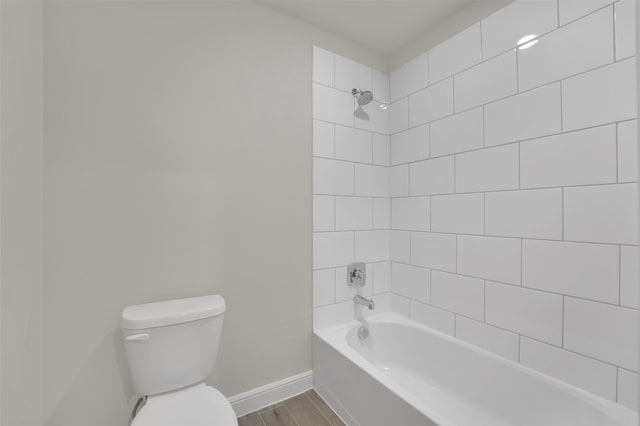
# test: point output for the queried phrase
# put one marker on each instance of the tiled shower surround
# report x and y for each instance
(503, 208)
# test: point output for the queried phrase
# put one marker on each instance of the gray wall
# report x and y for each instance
(21, 304)
(177, 163)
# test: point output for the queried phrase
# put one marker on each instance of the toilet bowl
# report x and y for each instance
(171, 349)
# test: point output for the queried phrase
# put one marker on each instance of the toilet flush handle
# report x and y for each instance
(142, 338)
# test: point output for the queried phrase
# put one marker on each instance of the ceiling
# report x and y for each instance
(382, 26)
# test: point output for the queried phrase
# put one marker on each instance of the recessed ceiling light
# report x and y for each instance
(527, 41)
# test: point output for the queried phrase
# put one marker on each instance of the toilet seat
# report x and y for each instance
(198, 405)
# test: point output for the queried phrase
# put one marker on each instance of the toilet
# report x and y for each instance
(171, 348)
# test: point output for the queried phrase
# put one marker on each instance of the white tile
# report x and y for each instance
(400, 305)
(486, 82)
(433, 317)
(381, 86)
(605, 332)
(353, 144)
(458, 133)
(323, 213)
(601, 96)
(410, 145)
(381, 213)
(410, 281)
(323, 139)
(502, 30)
(400, 246)
(575, 158)
(492, 339)
(332, 105)
(332, 177)
(533, 313)
(410, 77)
(629, 277)
(586, 373)
(371, 181)
(431, 250)
(570, 10)
(583, 270)
(323, 287)
(399, 180)
(330, 315)
(489, 257)
(628, 151)
(459, 214)
(353, 213)
(351, 74)
(381, 149)
(628, 389)
(462, 295)
(533, 214)
(344, 292)
(528, 115)
(399, 116)
(432, 103)
(373, 117)
(372, 246)
(410, 213)
(332, 249)
(489, 169)
(432, 176)
(576, 48)
(604, 213)
(625, 22)
(456, 54)
(323, 66)
(381, 277)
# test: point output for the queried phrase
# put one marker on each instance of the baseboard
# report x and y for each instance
(263, 396)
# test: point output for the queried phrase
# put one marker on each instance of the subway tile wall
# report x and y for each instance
(504, 186)
(518, 220)
(352, 208)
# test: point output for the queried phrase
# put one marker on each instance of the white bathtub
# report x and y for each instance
(406, 374)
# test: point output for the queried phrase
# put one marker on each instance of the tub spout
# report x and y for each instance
(359, 300)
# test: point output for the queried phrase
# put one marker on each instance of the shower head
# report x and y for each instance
(364, 97)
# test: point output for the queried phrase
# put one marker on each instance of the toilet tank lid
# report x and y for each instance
(171, 312)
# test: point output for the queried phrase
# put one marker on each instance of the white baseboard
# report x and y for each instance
(263, 396)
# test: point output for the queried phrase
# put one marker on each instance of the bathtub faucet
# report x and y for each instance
(359, 300)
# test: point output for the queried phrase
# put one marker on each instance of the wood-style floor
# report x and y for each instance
(306, 409)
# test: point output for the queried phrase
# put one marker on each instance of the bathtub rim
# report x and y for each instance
(336, 337)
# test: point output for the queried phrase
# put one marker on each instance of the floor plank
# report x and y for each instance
(305, 412)
(278, 415)
(324, 408)
(252, 419)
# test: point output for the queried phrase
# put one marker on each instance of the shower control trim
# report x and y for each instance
(357, 274)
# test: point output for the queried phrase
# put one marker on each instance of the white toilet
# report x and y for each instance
(172, 347)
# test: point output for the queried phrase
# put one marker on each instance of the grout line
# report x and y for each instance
(519, 167)
(521, 263)
(617, 383)
(561, 111)
(519, 345)
(498, 191)
(523, 287)
(562, 325)
(562, 214)
(617, 153)
(620, 275)
(533, 139)
(527, 90)
(557, 14)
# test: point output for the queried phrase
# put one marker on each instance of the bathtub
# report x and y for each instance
(406, 374)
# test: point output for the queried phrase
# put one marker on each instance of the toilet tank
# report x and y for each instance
(172, 344)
